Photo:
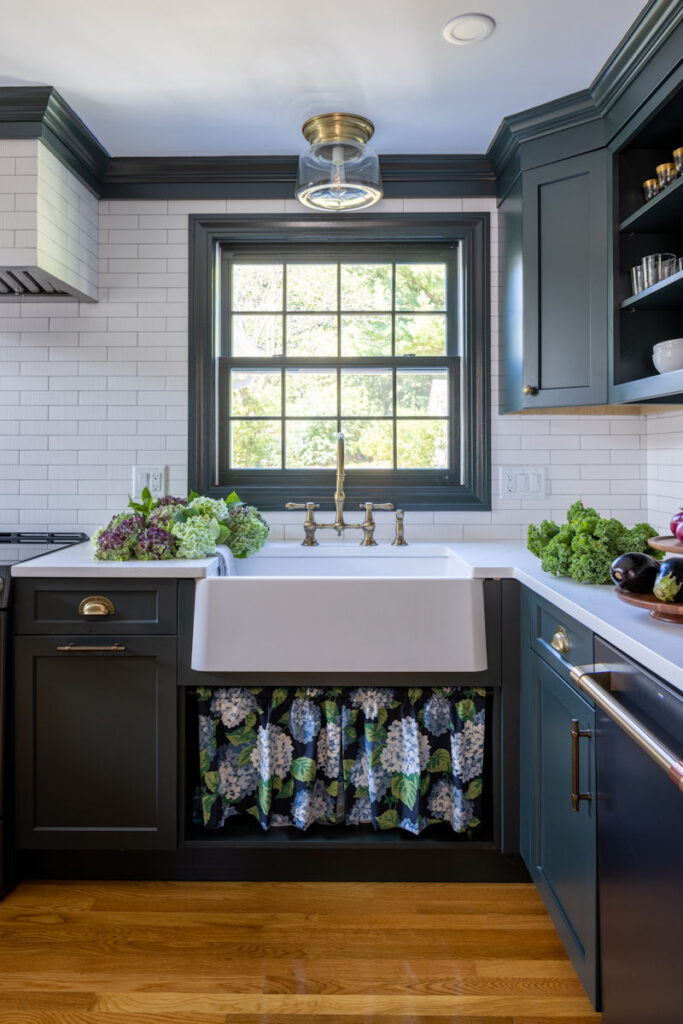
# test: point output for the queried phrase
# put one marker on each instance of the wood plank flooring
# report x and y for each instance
(283, 953)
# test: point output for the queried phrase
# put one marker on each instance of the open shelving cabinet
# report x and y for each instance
(656, 314)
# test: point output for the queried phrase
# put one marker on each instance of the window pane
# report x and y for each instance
(256, 444)
(257, 286)
(421, 335)
(255, 335)
(366, 336)
(311, 335)
(366, 393)
(420, 286)
(366, 286)
(253, 393)
(311, 393)
(311, 444)
(422, 444)
(312, 286)
(368, 443)
(422, 393)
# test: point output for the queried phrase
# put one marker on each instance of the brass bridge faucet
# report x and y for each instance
(310, 524)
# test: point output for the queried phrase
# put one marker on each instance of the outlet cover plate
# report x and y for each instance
(153, 477)
(522, 482)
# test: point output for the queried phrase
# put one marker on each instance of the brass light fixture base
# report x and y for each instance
(338, 128)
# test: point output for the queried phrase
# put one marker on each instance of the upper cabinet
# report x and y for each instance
(555, 243)
(573, 221)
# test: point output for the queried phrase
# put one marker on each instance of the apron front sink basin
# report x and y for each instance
(341, 609)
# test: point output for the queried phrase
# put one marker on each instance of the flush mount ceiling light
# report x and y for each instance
(338, 170)
(468, 28)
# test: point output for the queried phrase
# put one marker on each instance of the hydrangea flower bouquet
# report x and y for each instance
(190, 527)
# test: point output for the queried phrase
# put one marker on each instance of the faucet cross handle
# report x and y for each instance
(369, 522)
(310, 525)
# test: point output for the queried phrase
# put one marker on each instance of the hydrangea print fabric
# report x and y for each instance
(391, 758)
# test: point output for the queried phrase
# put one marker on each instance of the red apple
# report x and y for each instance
(675, 520)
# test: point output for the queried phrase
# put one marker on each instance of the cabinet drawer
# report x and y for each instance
(57, 606)
(551, 628)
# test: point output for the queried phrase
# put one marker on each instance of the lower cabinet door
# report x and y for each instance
(561, 846)
(95, 743)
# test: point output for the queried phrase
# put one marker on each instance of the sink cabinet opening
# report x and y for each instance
(277, 767)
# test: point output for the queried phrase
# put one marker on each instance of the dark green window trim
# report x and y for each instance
(411, 489)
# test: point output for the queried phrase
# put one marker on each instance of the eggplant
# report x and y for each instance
(635, 572)
(668, 585)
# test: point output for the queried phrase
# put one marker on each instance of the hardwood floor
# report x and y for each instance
(283, 953)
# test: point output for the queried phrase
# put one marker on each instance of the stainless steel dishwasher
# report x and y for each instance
(639, 748)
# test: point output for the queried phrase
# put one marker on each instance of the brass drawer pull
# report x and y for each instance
(91, 648)
(560, 641)
(96, 605)
(576, 735)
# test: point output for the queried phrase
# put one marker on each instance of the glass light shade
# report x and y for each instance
(338, 170)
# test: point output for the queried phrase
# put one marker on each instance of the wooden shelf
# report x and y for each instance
(667, 294)
(663, 214)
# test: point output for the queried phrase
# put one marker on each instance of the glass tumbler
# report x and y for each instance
(668, 267)
(650, 188)
(652, 267)
(637, 279)
(666, 174)
(678, 159)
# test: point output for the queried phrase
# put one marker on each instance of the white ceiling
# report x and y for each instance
(225, 77)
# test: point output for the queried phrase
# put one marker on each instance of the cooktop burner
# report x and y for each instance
(16, 546)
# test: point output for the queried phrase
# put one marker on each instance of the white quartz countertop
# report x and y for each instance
(656, 645)
(78, 561)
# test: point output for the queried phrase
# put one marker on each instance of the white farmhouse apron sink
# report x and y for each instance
(341, 609)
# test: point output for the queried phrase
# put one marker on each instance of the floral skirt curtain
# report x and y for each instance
(391, 758)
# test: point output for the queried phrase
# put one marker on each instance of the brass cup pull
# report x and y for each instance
(96, 605)
(529, 389)
(560, 641)
(576, 735)
(90, 648)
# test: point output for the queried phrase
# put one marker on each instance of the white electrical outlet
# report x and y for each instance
(153, 477)
(522, 482)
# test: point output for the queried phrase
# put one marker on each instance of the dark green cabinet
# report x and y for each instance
(558, 834)
(95, 742)
(555, 231)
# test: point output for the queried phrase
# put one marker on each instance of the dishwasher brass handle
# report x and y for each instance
(96, 605)
(90, 648)
(576, 735)
(671, 765)
(560, 641)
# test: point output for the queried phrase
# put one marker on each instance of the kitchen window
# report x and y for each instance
(297, 334)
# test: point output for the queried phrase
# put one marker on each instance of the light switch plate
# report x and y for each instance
(153, 477)
(522, 482)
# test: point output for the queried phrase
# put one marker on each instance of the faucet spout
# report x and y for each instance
(339, 496)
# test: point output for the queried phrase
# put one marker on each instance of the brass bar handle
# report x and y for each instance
(576, 735)
(671, 765)
(96, 605)
(90, 648)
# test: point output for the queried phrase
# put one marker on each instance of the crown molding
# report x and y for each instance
(646, 35)
(40, 112)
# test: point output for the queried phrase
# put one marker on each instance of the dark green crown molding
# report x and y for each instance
(39, 112)
(648, 33)
(274, 177)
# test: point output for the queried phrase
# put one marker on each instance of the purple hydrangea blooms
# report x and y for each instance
(117, 540)
(155, 543)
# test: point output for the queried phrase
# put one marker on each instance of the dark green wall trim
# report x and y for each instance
(39, 112)
(273, 177)
(649, 31)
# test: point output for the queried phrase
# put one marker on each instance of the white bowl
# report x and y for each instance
(668, 355)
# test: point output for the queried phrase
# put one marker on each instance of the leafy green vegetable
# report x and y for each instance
(586, 545)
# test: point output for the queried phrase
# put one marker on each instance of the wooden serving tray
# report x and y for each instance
(664, 610)
(669, 543)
